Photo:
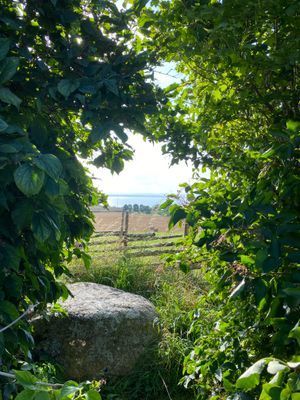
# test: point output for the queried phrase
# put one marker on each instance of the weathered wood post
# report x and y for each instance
(125, 232)
(186, 228)
(122, 224)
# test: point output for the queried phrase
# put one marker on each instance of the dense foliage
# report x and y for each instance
(72, 80)
(70, 84)
(236, 112)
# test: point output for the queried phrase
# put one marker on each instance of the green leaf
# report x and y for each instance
(166, 204)
(29, 179)
(26, 379)
(93, 395)
(251, 378)
(111, 85)
(99, 132)
(26, 394)
(39, 134)
(22, 214)
(270, 392)
(260, 257)
(177, 214)
(285, 394)
(4, 47)
(50, 164)
(9, 148)
(295, 333)
(52, 188)
(9, 97)
(66, 87)
(293, 125)
(260, 291)
(247, 260)
(42, 395)
(3, 125)
(68, 388)
(11, 256)
(41, 228)
(295, 396)
(9, 309)
(8, 68)
(87, 260)
(120, 133)
(117, 165)
(292, 291)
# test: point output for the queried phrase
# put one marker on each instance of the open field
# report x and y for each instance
(111, 221)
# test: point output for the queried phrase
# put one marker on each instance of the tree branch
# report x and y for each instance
(29, 309)
(52, 385)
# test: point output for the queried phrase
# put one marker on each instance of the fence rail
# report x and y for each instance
(128, 242)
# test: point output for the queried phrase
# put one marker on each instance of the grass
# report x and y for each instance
(103, 246)
(174, 295)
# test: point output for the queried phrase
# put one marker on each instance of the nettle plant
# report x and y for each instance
(70, 85)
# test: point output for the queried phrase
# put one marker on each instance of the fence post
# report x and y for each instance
(186, 228)
(125, 231)
(122, 224)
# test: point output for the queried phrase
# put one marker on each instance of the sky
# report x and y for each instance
(150, 170)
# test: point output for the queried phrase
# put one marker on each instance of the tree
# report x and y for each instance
(236, 112)
(70, 85)
(136, 208)
(147, 209)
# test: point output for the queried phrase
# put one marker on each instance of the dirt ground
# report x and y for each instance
(111, 221)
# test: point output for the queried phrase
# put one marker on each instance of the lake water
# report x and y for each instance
(146, 199)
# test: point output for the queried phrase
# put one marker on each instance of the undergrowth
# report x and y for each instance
(174, 295)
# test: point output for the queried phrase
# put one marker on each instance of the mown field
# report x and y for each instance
(111, 220)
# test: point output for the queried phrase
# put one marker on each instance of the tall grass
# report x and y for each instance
(174, 295)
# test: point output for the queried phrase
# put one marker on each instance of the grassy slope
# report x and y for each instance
(174, 294)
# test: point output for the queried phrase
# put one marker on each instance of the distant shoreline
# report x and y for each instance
(145, 199)
(136, 195)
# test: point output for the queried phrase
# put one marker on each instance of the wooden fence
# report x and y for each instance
(122, 240)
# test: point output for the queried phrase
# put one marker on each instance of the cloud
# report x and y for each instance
(148, 172)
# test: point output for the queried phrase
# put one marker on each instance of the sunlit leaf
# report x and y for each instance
(251, 378)
(29, 179)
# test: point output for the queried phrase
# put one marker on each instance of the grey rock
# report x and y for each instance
(105, 332)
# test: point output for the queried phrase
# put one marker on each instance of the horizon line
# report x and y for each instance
(143, 194)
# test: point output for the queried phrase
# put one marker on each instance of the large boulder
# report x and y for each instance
(104, 332)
